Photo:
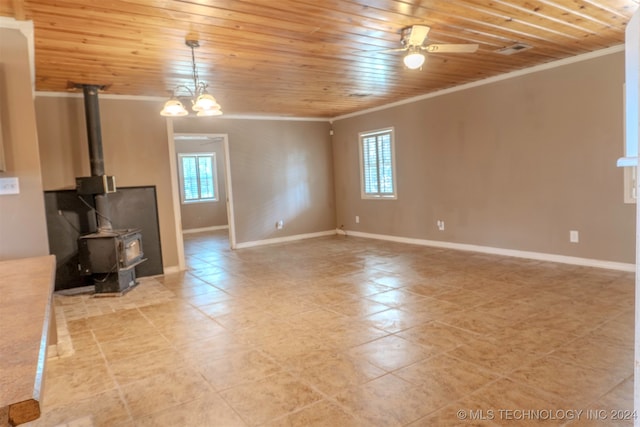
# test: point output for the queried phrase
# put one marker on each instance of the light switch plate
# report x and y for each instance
(9, 185)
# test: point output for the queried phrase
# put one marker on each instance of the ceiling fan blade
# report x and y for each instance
(451, 48)
(400, 49)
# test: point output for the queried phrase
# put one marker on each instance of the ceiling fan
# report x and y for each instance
(413, 39)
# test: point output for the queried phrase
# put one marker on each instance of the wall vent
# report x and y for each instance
(510, 50)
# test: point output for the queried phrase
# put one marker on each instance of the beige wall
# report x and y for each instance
(205, 214)
(135, 149)
(514, 164)
(280, 170)
(23, 231)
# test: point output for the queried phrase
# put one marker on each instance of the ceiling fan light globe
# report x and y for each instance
(414, 60)
(173, 108)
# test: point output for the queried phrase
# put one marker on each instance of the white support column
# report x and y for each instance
(632, 123)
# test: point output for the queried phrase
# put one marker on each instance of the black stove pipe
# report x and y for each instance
(94, 130)
(96, 157)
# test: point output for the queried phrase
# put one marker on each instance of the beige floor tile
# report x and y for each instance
(445, 377)
(64, 386)
(218, 347)
(601, 353)
(426, 287)
(163, 391)
(613, 409)
(104, 410)
(132, 346)
(505, 402)
(332, 371)
(320, 414)
(208, 410)
(270, 398)
(396, 297)
(395, 320)
(123, 329)
(238, 368)
(141, 366)
(351, 335)
(390, 352)
(497, 358)
(577, 384)
(387, 401)
(180, 333)
(465, 297)
(359, 308)
(438, 337)
(476, 322)
(432, 308)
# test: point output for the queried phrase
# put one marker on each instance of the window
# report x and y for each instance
(198, 178)
(377, 168)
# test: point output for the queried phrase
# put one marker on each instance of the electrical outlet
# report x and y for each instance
(440, 224)
(9, 185)
(357, 219)
(279, 225)
(574, 236)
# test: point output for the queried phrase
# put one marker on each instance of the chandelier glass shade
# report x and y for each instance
(202, 103)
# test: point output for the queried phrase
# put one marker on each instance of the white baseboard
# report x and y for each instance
(284, 239)
(539, 256)
(203, 229)
(171, 270)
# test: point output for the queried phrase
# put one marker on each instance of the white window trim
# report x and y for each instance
(361, 136)
(630, 184)
(214, 172)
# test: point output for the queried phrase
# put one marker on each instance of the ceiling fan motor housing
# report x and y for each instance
(414, 35)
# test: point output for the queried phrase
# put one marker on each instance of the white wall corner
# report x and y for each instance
(26, 28)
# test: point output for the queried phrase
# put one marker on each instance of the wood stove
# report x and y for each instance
(109, 256)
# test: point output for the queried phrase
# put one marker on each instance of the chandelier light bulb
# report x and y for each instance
(173, 108)
(205, 102)
(212, 112)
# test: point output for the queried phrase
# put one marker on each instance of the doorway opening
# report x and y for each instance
(211, 213)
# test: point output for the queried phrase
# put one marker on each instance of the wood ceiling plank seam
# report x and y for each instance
(89, 53)
(555, 4)
(530, 8)
(496, 18)
(140, 32)
(601, 10)
(220, 83)
(623, 8)
(281, 18)
(165, 23)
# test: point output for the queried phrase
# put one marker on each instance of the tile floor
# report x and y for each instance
(342, 331)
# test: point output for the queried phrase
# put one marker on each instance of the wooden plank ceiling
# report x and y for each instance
(302, 58)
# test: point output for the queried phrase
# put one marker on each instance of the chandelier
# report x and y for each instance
(202, 103)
